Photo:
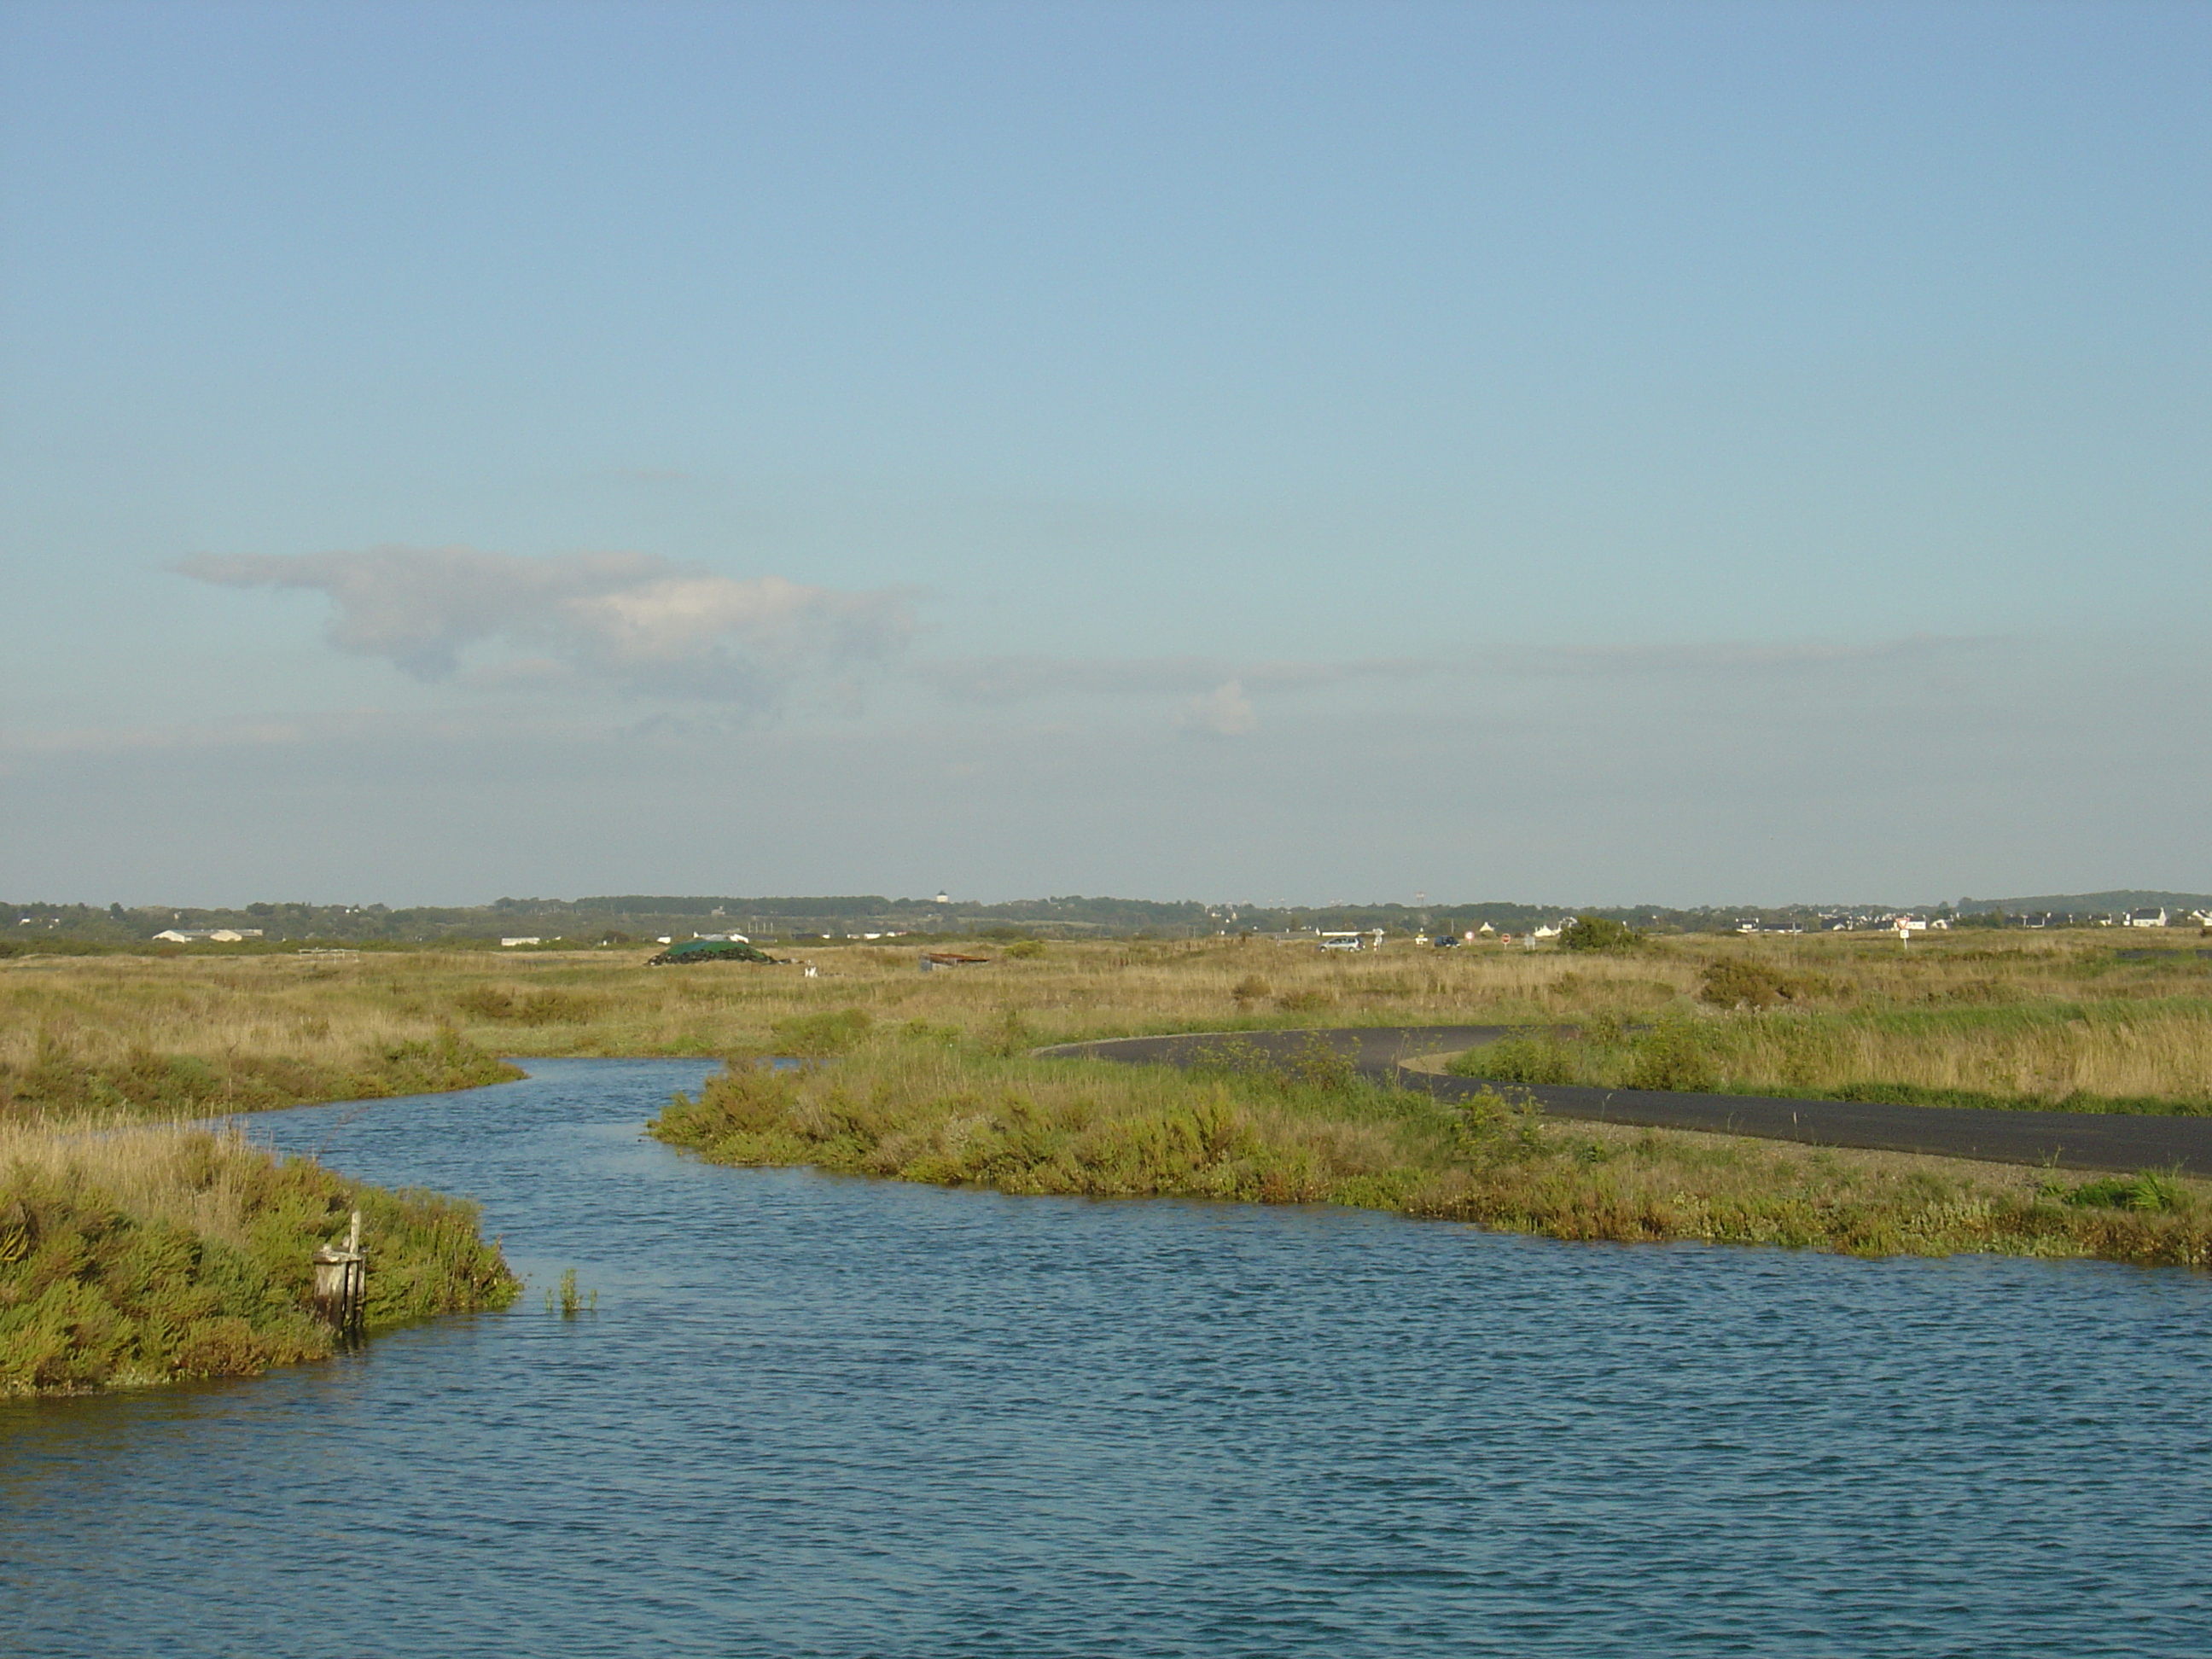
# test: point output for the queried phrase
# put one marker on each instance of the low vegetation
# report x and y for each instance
(192, 1260)
(2103, 1056)
(907, 1105)
(2038, 1019)
(153, 1252)
(136, 1247)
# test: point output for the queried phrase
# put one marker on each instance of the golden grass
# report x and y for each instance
(2039, 1016)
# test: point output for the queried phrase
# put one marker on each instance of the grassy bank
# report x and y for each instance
(2116, 1055)
(151, 1253)
(911, 1106)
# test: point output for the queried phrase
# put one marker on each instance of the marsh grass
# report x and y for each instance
(2134, 1056)
(925, 1076)
(1245, 1127)
(2050, 1019)
(571, 1300)
(111, 1036)
(141, 1254)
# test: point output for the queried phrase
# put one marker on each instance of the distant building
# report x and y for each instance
(2145, 917)
(207, 935)
(509, 944)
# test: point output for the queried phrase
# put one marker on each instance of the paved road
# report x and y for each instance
(2073, 1140)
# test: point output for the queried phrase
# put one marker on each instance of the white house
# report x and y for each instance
(2145, 917)
(509, 944)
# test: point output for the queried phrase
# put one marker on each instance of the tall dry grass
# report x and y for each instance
(105, 1036)
(2043, 1017)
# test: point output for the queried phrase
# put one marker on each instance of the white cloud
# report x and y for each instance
(1226, 711)
(632, 621)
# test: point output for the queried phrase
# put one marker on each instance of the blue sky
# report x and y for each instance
(1683, 453)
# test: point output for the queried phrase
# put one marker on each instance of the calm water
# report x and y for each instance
(817, 1416)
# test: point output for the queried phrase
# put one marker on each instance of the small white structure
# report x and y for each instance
(509, 944)
(2146, 918)
(208, 935)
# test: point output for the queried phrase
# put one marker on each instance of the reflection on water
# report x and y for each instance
(817, 1416)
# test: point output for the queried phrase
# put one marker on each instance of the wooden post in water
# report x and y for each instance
(342, 1282)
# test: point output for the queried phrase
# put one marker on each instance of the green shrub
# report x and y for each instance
(1673, 1055)
(1599, 933)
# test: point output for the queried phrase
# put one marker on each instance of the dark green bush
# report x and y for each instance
(1599, 933)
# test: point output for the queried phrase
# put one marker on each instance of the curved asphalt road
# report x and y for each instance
(2073, 1140)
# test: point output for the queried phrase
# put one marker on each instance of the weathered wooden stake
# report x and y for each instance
(342, 1282)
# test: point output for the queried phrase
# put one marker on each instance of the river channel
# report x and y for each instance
(815, 1416)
